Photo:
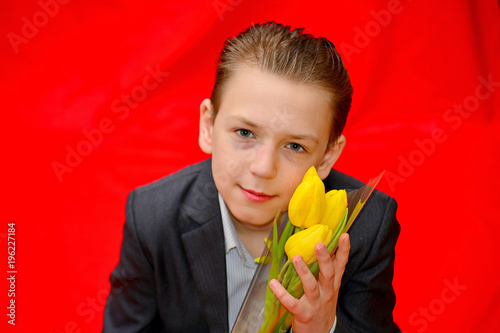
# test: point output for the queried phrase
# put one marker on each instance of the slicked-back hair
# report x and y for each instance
(291, 54)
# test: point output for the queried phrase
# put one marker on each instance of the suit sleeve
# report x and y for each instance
(366, 297)
(131, 304)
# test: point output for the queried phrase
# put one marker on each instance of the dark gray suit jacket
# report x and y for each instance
(171, 276)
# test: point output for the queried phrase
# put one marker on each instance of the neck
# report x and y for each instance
(252, 236)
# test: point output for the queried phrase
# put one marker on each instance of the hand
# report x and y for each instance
(315, 311)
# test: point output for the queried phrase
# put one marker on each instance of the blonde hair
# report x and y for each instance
(290, 54)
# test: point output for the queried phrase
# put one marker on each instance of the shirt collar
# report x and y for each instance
(230, 235)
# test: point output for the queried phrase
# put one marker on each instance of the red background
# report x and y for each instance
(65, 68)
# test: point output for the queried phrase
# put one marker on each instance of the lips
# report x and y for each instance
(256, 196)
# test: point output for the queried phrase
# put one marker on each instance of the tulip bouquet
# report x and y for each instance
(313, 217)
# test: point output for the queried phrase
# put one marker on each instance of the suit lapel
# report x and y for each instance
(204, 246)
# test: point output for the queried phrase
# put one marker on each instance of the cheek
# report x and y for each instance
(222, 179)
(230, 160)
(290, 187)
(229, 163)
(222, 172)
(226, 169)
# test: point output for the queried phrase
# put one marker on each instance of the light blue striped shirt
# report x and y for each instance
(240, 267)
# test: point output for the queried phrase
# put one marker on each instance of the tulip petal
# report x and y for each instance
(336, 204)
(307, 204)
(304, 241)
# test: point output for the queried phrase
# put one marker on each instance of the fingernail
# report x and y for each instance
(300, 261)
(322, 249)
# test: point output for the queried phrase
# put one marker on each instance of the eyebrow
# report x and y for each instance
(246, 121)
(306, 137)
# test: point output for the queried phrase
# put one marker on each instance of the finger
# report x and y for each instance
(326, 268)
(309, 283)
(284, 296)
(341, 257)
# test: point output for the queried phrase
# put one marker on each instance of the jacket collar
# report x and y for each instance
(204, 246)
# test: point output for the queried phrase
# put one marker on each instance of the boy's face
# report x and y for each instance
(268, 132)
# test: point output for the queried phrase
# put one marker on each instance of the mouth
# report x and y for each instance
(256, 196)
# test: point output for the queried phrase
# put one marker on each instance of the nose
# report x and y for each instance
(264, 162)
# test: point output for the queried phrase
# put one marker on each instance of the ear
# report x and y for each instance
(331, 156)
(206, 126)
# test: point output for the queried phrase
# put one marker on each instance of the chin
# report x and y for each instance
(256, 220)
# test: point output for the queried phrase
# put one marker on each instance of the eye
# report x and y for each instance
(295, 147)
(245, 133)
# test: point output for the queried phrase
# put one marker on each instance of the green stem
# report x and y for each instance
(284, 271)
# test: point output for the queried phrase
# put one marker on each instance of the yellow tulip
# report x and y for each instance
(307, 204)
(336, 203)
(303, 242)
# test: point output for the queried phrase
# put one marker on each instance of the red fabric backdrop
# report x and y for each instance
(100, 97)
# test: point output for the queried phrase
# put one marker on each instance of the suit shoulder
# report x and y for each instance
(177, 180)
(165, 203)
(340, 180)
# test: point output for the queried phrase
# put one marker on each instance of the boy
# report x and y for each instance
(279, 105)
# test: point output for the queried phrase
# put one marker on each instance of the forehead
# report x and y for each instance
(270, 97)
